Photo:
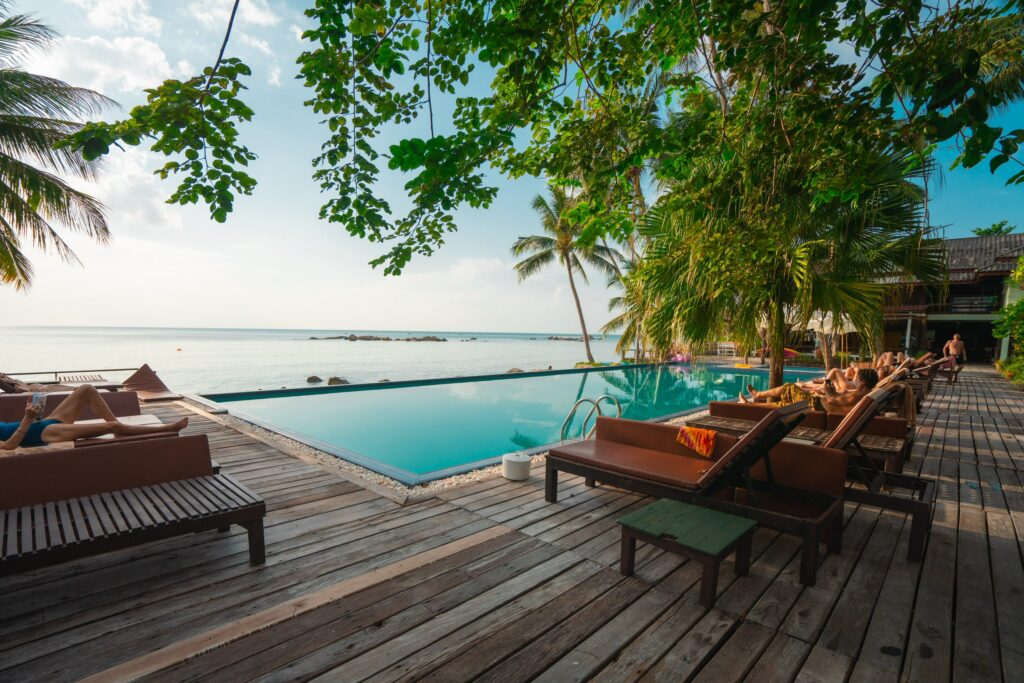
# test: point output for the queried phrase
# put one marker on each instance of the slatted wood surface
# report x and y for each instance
(489, 582)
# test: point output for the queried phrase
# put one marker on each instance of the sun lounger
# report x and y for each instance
(886, 440)
(797, 490)
(62, 505)
(149, 387)
(867, 480)
(80, 378)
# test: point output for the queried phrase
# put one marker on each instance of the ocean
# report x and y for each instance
(216, 360)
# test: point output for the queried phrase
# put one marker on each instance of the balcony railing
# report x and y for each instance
(986, 303)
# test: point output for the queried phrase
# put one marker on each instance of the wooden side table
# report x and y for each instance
(701, 534)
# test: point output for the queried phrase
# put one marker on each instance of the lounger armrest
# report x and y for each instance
(653, 436)
(32, 478)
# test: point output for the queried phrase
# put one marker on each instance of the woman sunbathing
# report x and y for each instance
(32, 431)
(832, 398)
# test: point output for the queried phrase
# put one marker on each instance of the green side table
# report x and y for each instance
(701, 534)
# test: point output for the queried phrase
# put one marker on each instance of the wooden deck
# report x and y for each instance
(490, 583)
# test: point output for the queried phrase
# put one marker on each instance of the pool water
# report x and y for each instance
(418, 431)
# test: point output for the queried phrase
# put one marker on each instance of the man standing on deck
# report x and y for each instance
(955, 347)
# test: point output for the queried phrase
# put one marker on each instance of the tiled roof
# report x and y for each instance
(968, 256)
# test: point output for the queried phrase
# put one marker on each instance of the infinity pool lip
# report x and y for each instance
(397, 384)
(210, 401)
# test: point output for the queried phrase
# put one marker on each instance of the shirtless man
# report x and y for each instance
(833, 399)
(33, 432)
(841, 402)
(955, 347)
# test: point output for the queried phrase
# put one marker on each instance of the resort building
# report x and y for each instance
(979, 287)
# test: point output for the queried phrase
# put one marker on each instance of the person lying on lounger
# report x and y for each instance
(832, 398)
(33, 432)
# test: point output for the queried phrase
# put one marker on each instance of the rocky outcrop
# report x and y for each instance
(313, 379)
(371, 337)
(334, 381)
(512, 371)
(573, 339)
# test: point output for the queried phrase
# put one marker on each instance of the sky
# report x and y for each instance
(274, 264)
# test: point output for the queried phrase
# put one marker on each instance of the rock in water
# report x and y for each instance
(513, 371)
(313, 379)
(332, 381)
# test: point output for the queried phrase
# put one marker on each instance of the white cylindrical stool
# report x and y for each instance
(515, 466)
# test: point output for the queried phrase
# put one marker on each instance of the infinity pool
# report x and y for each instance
(424, 430)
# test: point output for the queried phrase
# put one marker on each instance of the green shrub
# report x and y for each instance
(1013, 369)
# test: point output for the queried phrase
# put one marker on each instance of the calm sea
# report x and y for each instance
(211, 360)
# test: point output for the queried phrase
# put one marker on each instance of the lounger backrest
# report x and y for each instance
(897, 376)
(858, 417)
(33, 478)
(121, 403)
(730, 469)
(806, 467)
(756, 411)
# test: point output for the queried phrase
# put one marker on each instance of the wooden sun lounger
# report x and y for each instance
(797, 490)
(887, 441)
(60, 506)
(80, 378)
(867, 479)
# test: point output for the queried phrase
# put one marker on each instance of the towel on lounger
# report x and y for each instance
(700, 441)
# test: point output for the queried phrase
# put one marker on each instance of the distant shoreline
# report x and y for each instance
(322, 330)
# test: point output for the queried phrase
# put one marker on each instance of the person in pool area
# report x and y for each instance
(33, 432)
(833, 399)
(955, 347)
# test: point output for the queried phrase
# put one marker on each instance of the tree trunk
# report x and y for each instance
(826, 351)
(579, 309)
(776, 345)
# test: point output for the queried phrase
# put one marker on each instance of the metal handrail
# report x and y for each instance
(595, 408)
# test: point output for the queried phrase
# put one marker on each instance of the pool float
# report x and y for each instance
(789, 353)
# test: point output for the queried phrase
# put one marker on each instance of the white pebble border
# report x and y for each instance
(368, 479)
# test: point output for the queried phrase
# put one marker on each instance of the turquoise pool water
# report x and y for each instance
(418, 431)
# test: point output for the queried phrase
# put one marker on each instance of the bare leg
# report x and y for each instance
(766, 395)
(70, 409)
(70, 432)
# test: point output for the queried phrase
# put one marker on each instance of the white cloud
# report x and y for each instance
(134, 197)
(215, 13)
(296, 31)
(114, 15)
(255, 43)
(274, 76)
(123, 64)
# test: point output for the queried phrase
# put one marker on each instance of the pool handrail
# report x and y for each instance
(595, 408)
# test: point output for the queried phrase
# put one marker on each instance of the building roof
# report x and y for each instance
(970, 257)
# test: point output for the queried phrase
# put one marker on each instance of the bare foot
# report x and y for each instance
(178, 426)
(752, 391)
(743, 399)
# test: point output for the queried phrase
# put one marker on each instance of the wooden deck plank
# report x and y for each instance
(543, 600)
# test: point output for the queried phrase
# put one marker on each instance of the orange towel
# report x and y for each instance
(700, 441)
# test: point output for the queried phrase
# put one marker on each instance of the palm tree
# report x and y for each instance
(36, 113)
(702, 281)
(561, 242)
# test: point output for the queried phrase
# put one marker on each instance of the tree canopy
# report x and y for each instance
(549, 88)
